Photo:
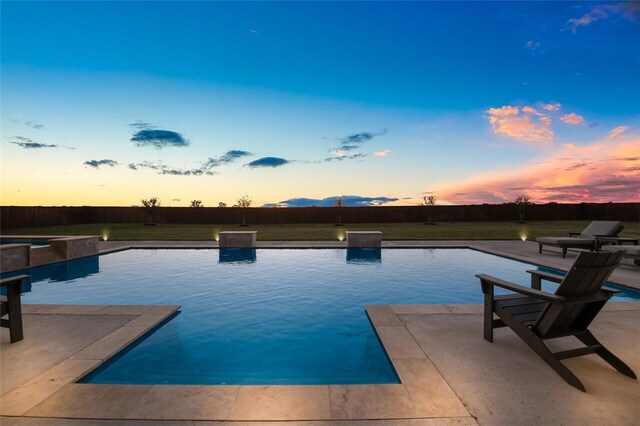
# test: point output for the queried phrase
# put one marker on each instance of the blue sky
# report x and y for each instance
(467, 100)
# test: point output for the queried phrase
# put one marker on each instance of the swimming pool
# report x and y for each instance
(268, 316)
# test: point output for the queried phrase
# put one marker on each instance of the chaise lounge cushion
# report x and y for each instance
(565, 240)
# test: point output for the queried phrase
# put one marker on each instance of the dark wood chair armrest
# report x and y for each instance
(573, 234)
(8, 281)
(596, 297)
(493, 281)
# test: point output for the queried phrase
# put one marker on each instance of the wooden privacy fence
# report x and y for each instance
(28, 217)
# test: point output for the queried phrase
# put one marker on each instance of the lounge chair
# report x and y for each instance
(536, 316)
(585, 239)
(10, 305)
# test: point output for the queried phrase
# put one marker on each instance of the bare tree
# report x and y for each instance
(244, 203)
(196, 203)
(428, 203)
(150, 207)
(339, 204)
(522, 201)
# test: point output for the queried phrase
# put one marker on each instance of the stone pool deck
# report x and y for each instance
(449, 374)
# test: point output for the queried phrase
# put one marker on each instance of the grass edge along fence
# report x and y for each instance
(12, 217)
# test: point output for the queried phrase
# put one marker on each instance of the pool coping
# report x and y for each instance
(55, 393)
(478, 245)
(145, 318)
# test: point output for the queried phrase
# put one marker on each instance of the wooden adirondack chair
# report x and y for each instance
(10, 305)
(535, 315)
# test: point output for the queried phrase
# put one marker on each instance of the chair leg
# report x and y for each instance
(488, 324)
(488, 311)
(539, 248)
(15, 312)
(590, 340)
(538, 346)
(564, 252)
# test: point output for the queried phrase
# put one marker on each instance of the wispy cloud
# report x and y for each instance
(271, 162)
(187, 172)
(354, 141)
(532, 45)
(382, 153)
(617, 132)
(628, 10)
(163, 169)
(97, 163)
(145, 165)
(602, 171)
(525, 124)
(142, 125)
(29, 123)
(348, 200)
(28, 143)
(340, 156)
(572, 118)
(226, 158)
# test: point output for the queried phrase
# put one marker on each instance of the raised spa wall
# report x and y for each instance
(21, 256)
(361, 239)
(237, 239)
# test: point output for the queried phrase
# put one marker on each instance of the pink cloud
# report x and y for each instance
(504, 111)
(600, 172)
(382, 153)
(617, 131)
(526, 124)
(628, 10)
(572, 118)
(551, 107)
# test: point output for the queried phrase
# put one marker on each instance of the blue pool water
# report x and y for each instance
(271, 316)
(32, 242)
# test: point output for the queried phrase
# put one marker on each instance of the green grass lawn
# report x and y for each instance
(325, 232)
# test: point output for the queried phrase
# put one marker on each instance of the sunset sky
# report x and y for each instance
(105, 103)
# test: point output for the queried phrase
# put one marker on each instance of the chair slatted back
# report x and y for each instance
(585, 278)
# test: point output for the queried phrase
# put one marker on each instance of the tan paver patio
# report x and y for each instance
(449, 374)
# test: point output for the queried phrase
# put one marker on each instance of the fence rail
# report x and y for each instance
(12, 217)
